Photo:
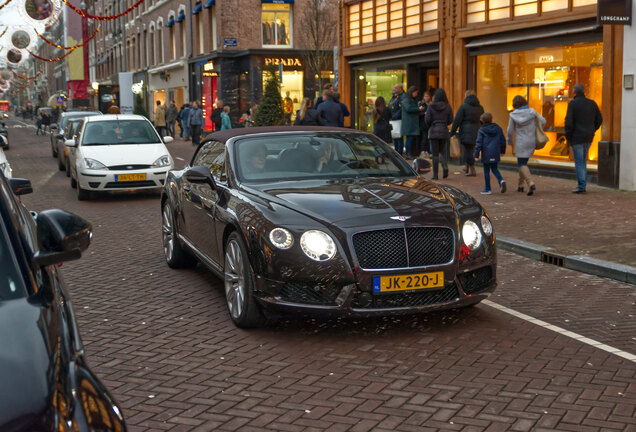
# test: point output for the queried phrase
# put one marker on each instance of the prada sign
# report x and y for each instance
(615, 12)
(285, 61)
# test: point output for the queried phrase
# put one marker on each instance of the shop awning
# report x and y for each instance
(209, 4)
(181, 16)
(422, 55)
(198, 8)
(536, 33)
(170, 22)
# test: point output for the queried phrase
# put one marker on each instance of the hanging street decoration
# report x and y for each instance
(65, 47)
(5, 3)
(51, 59)
(25, 78)
(103, 18)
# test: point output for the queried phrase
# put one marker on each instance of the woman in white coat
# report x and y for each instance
(522, 126)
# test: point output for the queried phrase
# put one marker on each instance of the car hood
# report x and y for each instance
(122, 154)
(27, 372)
(365, 202)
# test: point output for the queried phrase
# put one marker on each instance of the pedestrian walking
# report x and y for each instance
(582, 120)
(185, 121)
(382, 120)
(423, 143)
(306, 115)
(490, 143)
(171, 117)
(195, 121)
(215, 116)
(523, 126)
(160, 118)
(439, 116)
(466, 127)
(395, 106)
(343, 107)
(321, 98)
(46, 121)
(411, 121)
(38, 123)
(330, 111)
(225, 118)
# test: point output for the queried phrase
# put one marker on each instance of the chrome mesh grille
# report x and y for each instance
(387, 249)
(414, 299)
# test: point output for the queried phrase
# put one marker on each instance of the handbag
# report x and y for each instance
(396, 129)
(455, 149)
(540, 136)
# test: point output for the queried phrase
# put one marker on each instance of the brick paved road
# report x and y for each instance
(162, 342)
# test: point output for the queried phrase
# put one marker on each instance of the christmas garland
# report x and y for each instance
(102, 18)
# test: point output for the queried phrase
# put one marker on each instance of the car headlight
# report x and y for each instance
(161, 162)
(486, 226)
(317, 245)
(94, 165)
(471, 235)
(281, 238)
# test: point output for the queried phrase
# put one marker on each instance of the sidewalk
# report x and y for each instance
(599, 225)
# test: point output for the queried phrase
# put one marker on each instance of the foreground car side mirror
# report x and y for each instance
(167, 139)
(4, 143)
(201, 175)
(422, 166)
(20, 186)
(62, 236)
(70, 143)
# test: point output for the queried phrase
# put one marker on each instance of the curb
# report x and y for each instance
(581, 263)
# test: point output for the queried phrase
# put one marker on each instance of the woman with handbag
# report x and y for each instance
(381, 120)
(466, 126)
(438, 116)
(523, 126)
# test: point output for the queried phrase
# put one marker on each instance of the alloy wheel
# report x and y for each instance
(167, 233)
(234, 279)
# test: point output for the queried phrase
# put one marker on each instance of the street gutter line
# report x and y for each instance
(562, 331)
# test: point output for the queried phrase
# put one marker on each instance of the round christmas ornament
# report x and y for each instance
(23, 37)
(14, 57)
(40, 12)
(6, 74)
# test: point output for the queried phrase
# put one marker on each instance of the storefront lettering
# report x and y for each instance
(208, 66)
(546, 59)
(275, 61)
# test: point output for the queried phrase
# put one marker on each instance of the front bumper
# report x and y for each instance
(352, 300)
(102, 180)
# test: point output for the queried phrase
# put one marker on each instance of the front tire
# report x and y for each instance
(239, 285)
(60, 162)
(67, 168)
(53, 150)
(176, 256)
(82, 194)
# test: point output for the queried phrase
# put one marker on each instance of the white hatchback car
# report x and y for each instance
(117, 152)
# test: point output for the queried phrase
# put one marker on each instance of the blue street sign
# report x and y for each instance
(229, 42)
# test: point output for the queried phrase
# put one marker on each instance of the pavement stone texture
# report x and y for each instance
(161, 340)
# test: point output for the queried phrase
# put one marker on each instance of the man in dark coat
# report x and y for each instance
(395, 106)
(216, 115)
(330, 111)
(343, 107)
(582, 120)
(320, 99)
(438, 116)
(467, 121)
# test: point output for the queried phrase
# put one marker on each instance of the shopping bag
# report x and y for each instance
(396, 129)
(541, 138)
(455, 147)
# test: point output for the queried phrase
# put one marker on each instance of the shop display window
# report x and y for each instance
(276, 21)
(369, 84)
(291, 92)
(545, 77)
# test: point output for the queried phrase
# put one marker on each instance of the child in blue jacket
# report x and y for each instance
(490, 143)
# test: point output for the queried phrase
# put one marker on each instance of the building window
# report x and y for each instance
(484, 11)
(545, 77)
(276, 24)
(377, 20)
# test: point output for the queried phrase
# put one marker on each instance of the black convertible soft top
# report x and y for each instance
(225, 135)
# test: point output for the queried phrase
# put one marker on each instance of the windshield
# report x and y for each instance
(11, 286)
(316, 155)
(119, 132)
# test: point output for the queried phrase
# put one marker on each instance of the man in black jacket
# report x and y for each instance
(582, 120)
(216, 115)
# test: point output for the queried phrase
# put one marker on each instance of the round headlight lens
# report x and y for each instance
(281, 238)
(471, 235)
(317, 245)
(486, 226)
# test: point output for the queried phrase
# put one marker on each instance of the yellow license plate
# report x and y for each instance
(383, 284)
(130, 177)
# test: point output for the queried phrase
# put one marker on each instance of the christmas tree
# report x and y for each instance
(270, 111)
(140, 109)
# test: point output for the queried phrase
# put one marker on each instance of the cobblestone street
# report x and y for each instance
(162, 342)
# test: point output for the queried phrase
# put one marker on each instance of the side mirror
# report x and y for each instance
(20, 186)
(167, 139)
(62, 236)
(422, 166)
(4, 143)
(201, 175)
(70, 143)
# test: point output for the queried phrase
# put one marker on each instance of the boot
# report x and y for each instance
(435, 167)
(445, 172)
(466, 169)
(471, 171)
(524, 173)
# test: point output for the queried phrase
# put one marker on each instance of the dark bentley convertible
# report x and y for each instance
(324, 220)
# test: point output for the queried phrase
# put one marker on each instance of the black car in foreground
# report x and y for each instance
(45, 382)
(324, 220)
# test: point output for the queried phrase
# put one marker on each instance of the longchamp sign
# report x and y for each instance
(615, 12)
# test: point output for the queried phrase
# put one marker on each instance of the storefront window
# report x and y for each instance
(546, 78)
(276, 24)
(371, 83)
(480, 11)
(291, 91)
